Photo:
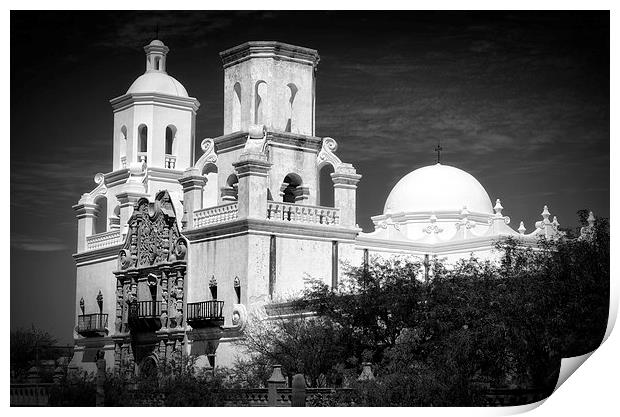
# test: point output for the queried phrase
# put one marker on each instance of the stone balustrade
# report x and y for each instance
(103, 240)
(30, 395)
(170, 161)
(276, 211)
(289, 212)
(214, 215)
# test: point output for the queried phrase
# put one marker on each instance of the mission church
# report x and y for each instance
(175, 254)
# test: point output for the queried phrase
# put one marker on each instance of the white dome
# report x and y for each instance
(437, 188)
(157, 82)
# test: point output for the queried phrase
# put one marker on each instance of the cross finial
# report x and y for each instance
(438, 149)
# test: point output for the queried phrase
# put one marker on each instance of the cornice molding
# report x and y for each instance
(441, 248)
(236, 140)
(267, 227)
(269, 49)
(97, 255)
(127, 100)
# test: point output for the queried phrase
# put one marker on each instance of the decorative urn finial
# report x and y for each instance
(498, 207)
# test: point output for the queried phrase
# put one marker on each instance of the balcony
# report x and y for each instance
(205, 313)
(170, 161)
(104, 240)
(145, 315)
(92, 324)
(297, 213)
(215, 215)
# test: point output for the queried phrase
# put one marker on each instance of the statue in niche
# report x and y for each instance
(124, 259)
(180, 250)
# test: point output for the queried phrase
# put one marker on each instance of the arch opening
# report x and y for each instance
(143, 143)
(209, 191)
(171, 133)
(292, 93)
(236, 108)
(100, 224)
(230, 191)
(325, 195)
(259, 102)
(291, 190)
(148, 372)
(123, 146)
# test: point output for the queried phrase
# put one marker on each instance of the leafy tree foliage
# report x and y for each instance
(28, 346)
(439, 341)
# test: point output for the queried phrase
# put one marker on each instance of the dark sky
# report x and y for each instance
(519, 99)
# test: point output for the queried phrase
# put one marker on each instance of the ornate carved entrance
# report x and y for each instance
(150, 285)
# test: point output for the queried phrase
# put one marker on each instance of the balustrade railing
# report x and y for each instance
(298, 213)
(170, 161)
(145, 309)
(104, 240)
(276, 211)
(217, 214)
(92, 323)
(205, 310)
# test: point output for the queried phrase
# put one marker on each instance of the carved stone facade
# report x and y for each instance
(150, 278)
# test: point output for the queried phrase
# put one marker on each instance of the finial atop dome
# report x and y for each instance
(498, 207)
(521, 228)
(156, 53)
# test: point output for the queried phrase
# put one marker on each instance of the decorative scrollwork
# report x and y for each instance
(239, 316)
(326, 155)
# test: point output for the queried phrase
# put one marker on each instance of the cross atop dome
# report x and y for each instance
(438, 149)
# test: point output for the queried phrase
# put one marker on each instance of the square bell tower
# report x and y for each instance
(269, 83)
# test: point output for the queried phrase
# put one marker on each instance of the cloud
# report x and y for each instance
(37, 244)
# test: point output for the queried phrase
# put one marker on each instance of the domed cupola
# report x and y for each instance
(154, 121)
(439, 203)
(156, 79)
(438, 188)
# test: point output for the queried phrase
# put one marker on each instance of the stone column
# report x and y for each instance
(193, 184)
(252, 170)
(86, 214)
(345, 188)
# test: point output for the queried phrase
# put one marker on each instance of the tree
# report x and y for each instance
(438, 341)
(28, 346)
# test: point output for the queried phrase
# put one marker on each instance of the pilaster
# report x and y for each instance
(252, 170)
(193, 185)
(345, 181)
(86, 214)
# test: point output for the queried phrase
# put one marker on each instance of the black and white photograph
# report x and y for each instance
(307, 208)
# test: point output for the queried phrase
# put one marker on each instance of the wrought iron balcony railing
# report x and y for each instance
(145, 315)
(205, 313)
(92, 324)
